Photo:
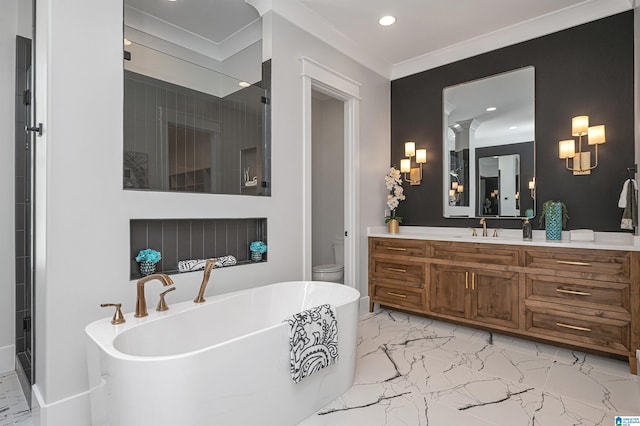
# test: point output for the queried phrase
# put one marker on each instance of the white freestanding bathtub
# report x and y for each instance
(223, 362)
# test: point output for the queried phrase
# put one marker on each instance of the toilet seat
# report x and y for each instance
(329, 267)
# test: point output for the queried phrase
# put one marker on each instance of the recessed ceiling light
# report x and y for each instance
(387, 20)
(244, 84)
(491, 109)
(172, 0)
(513, 127)
(127, 42)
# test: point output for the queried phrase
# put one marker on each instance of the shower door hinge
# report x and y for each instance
(26, 324)
(26, 97)
(38, 129)
(346, 234)
(265, 100)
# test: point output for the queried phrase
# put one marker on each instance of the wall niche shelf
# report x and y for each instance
(184, 239)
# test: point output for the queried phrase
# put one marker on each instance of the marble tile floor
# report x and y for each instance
(416, 371)
(14, 410)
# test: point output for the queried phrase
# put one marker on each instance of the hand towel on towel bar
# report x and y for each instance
(197, 264)
(313, 340)
(630, 205)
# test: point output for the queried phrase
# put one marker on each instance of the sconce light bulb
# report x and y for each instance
(579, 125)
(421, 156)
(596, 135)
(405, 165)
(409, 149)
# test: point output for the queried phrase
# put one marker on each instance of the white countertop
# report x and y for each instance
(603, 240)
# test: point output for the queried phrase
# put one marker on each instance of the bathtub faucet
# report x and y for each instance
(141, 302)
(205, 279)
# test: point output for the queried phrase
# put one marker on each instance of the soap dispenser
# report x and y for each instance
(527, 233)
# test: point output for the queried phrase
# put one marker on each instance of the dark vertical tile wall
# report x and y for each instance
(184, 239)
(237, 122)
(23, 275)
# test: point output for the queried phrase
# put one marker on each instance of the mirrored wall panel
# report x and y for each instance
(196, 98)
(489, 146)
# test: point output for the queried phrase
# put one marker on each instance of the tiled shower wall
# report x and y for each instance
(237, 121)
(184, 239)
(23, 215)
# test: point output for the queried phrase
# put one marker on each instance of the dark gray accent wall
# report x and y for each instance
(584, 70)
(184, 239)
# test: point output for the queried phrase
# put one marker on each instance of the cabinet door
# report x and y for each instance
(494, 297)
(449, 290)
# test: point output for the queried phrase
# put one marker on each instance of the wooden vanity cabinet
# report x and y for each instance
(397, 273)
(583, 298)
(476, 282)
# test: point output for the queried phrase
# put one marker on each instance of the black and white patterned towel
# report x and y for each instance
(313, 340)
(198, 264)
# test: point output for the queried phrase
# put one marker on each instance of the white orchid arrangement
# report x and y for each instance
(393, 180)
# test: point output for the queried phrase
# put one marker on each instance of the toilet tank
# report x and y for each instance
(338, 251)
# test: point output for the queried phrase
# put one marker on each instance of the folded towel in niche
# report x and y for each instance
(198, 264)
(313, 341)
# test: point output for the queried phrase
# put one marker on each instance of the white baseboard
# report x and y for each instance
(364, 305)
(7, 358)
(71, 411)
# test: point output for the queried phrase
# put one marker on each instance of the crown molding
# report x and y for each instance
(160, 29)
(314, 24)
(578, 14)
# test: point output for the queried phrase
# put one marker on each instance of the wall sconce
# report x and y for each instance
(415, 173)
(567, 148)
(532, 187)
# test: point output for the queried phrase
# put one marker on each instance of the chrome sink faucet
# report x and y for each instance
(483, 222)
(205, 280)
(141, 302)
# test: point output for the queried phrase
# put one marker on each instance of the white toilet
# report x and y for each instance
(332, 272)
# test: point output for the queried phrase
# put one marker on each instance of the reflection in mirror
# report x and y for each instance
(498, 180)
(489, 146)
(188, 125)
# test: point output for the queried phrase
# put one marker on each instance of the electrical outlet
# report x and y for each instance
(386, 212)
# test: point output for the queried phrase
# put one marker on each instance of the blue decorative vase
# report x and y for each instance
(256, 256)
(553, 221)
(147, 268)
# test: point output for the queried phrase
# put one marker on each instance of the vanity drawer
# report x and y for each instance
(406, 272)
(476, 252)
(571, 291)
(396, 246)
(603, 265)
(401, 297)
(609, 333)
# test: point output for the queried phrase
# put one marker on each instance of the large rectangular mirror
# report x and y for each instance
(196, 98)
(489, 146)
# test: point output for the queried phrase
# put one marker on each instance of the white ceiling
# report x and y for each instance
(424, 26)
(427, 33)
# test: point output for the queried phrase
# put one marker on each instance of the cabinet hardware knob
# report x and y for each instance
(579, 293)
(572, 327)
(466, 280)
(396, 270)
(404, 296)
(568, 262)
(397, 248)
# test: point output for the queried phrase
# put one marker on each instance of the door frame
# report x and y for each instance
(316, 76)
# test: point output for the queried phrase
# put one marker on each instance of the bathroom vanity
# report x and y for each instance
(578, 294)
